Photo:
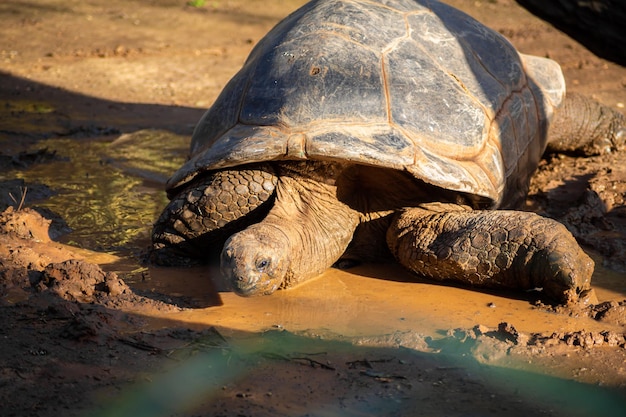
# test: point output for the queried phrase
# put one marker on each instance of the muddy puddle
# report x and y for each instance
(109, 190)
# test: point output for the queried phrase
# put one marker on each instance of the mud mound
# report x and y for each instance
(25, 248)
(31, 262)
(76, 280)
(24, 224)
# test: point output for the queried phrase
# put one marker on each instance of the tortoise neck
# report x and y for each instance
(318, 226)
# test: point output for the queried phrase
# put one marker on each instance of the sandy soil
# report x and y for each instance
(79, 340)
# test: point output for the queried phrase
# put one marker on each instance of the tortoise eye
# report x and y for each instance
(262, 264)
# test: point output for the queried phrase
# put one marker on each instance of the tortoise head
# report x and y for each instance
(255, 260)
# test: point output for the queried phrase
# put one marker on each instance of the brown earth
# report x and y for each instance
(78, 340)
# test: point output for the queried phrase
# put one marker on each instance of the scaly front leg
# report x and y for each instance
(507, 249)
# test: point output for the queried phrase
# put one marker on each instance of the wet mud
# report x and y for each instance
(92, 125)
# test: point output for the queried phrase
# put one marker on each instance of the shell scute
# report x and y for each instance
(295, 86)
(450, 120)
(380, 145)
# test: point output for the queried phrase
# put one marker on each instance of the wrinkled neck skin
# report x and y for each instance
(306, 231)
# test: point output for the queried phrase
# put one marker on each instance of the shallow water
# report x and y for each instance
(110, 191)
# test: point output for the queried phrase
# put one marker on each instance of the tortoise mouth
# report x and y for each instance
(253, 286)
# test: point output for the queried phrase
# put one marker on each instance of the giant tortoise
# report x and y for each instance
(360, 130)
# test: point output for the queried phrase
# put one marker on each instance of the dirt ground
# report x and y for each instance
(79, 340)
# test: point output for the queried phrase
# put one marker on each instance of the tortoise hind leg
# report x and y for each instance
(584, 126)
(506, 249)
(205, 213)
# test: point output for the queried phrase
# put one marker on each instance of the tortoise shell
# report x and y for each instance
(413, 85)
